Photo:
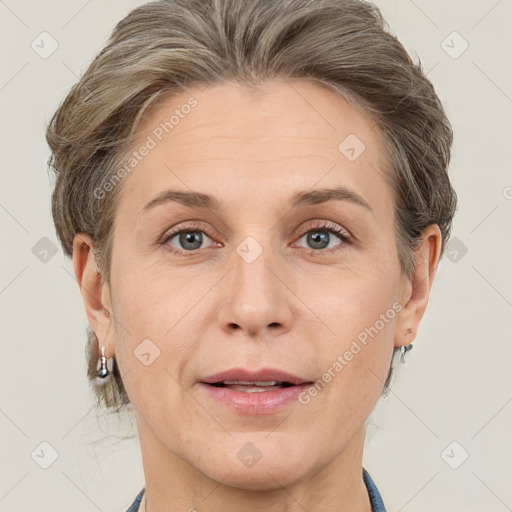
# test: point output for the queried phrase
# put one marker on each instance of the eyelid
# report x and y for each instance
(341, 232)
(327, 225)
(315, 224)
(187, 226)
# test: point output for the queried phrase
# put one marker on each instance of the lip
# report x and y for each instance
(259, 403)
(263, 375)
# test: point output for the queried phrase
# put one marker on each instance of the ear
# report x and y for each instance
(93, 288)
(415, 292)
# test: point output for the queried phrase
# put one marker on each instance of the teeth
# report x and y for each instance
(246, 383)
(252, 389)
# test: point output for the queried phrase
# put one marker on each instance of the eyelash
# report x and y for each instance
(343, 234)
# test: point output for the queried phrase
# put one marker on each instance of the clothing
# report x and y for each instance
(134, 507)
(373, 493)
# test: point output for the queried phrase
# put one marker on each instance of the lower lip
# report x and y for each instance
(260, 402)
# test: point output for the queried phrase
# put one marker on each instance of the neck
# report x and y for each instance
(173, 484)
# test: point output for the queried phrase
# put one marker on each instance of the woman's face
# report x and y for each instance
(258, 279)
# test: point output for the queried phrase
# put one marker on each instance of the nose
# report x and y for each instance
(256, 297)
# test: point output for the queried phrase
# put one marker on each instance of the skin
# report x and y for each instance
(209, 310)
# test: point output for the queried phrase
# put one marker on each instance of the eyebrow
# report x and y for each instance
(301, 198)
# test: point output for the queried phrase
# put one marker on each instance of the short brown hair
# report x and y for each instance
(165, 46)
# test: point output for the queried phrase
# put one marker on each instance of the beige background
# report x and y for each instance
(457, 386)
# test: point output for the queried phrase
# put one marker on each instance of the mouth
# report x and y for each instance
(252, 387)
(250, 381)
(261, 392)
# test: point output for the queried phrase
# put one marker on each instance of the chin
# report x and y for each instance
(267, 473)
(266, 478)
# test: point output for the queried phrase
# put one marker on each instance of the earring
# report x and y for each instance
(103, 371)
(403, 350)
(103, 374)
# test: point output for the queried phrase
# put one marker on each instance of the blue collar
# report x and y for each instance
(373, 493)
(134, 507)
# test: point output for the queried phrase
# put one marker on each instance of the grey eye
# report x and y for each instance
(188, 240)
(319, 239)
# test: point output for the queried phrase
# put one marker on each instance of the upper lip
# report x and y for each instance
(263, 375)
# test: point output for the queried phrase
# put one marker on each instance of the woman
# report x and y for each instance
(303, 156)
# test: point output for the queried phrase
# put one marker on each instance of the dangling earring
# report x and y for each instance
(103, 371)
(403, 350)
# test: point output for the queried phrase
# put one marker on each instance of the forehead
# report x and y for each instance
(280, 136)
(294, 108)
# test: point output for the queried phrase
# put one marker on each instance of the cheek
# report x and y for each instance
(352, 298)
(354, 363)
(150, 311)
(151, 298)
(358, 314)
